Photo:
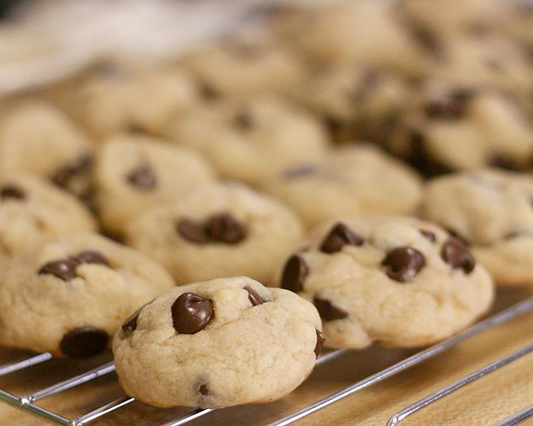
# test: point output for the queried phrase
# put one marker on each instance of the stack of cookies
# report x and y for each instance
(357, 175)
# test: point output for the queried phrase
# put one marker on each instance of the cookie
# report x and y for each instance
(363, 32)
(398, 281)
(217, 230)
(219, 343)
(492, 211)
(33, 211)
(356, 102)
(450, 127)
(38, 138)
(134, 173)
(113, 100)
(353, 180)
(251, 140)
(69, 296)
(244, 68)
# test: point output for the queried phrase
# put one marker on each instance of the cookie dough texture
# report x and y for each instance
(217, 230)
(353, 32)
(114, 100)
(251, 140)
(240, 69)
(33, 211)
(134, 173)
(253, 349)
(70, 295)
(398, 281)
(492, 210)
(449, 127)
(38, 138)
(354, 180)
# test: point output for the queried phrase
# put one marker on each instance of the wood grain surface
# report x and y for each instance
(482, 403)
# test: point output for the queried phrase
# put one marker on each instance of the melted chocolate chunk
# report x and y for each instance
(253, 296)
(13, 192)
(403, 263)
(451, 107)
(224, 228)
(192, 231)
(429, 235)
(339, 236)
(84, 342)
(191, 313)
(319, 342)
(203, 389)
(143, 178)
(92, 256)
(294, 273)
(328, 311)
(82, 166)
(244, 121)
(300, 171)
(457, 255)
(64, 269)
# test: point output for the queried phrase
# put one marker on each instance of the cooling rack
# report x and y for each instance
(30, 403)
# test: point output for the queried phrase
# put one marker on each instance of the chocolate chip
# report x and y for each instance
(143, 177)
(504, 162)
(84, 342)
(450, 107)
(88, 198)
(81, 166)
(457, 236)
(328, 311)
(253, 296)
(300, 171)
(192, 231)
(456, 254)
(319, 342)
(191, 313)
(12, 191)
(243, 121)
(203, 389)
(419, 157)
(429, 235)
(91, 256)
(339, 236)
(64, 269)
(403, 263)
(225, 228)
(294, 273)
(130, 324)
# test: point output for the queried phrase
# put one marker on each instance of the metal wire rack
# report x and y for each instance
(28, 403)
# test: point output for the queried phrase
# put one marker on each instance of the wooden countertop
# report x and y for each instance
(492, 398)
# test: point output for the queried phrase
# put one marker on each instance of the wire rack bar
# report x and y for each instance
(34, 360)
(193, 415)
(72, 382)
(105, 409)
(517, 418)
(498, 319)
(476, 375)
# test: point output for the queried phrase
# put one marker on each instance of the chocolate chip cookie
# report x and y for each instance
(70, 295)
(33, 211)
(354, 180)
(217, 230)
(398, 281)
(449, 127)
(251, 140)
(134, 173)
(38, 138)
(492, 211)
(217, 344)
(356, 102)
